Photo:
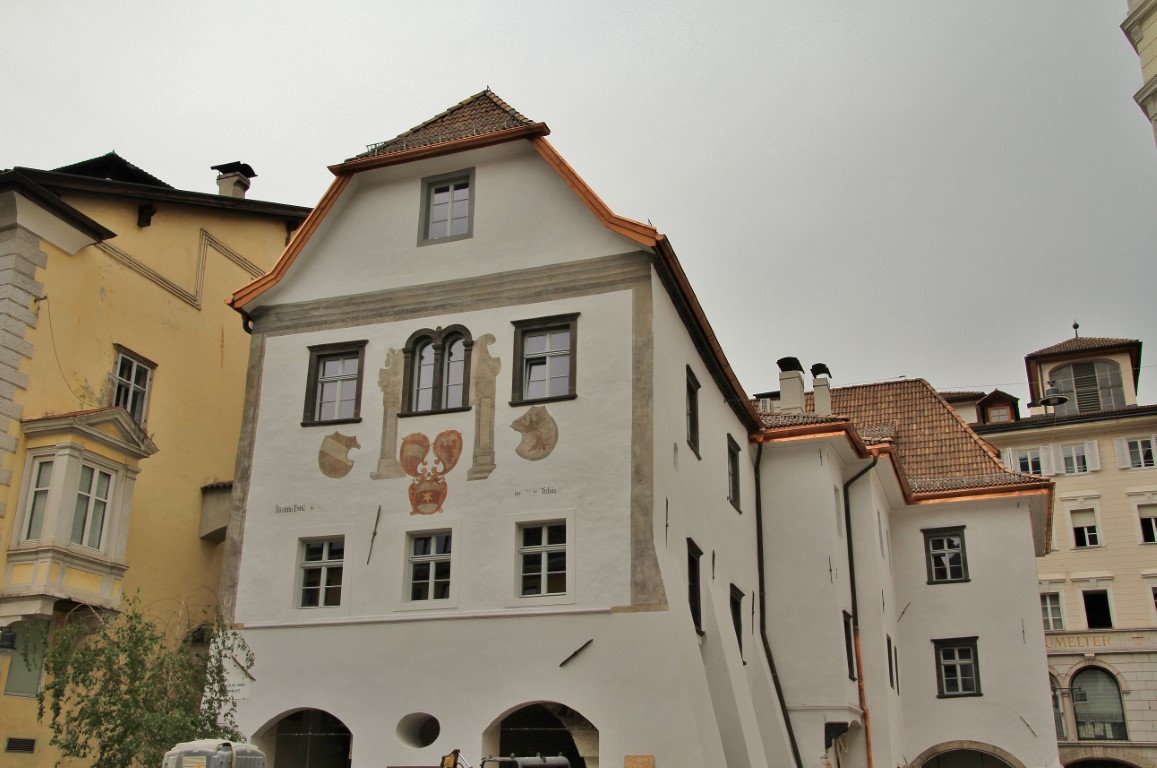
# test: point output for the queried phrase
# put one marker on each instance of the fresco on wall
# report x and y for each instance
(333, 457)
(539, 433)
(483, 382)
(428, 489)
(390, 382)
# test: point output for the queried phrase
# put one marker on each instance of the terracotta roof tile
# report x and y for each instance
(962, 396)
(937, 451)
(482, 113)
(1083, 344)
(112, 166)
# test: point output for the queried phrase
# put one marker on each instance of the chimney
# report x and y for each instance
(790, 385)
(821, 389)
(233, 178)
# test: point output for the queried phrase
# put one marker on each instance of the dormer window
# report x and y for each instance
(998, 414)
(1090, 386)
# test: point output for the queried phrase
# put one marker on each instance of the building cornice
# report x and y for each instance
(1133, 23)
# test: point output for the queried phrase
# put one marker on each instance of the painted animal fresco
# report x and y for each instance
(539, 433)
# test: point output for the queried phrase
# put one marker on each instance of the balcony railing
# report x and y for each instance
(1092, 726)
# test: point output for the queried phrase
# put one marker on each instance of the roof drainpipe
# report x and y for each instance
(856, 608)
(763, 611)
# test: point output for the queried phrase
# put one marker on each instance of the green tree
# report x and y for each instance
(121, 689)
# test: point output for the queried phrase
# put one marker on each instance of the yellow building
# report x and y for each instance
(122, 373)
(1140, 26)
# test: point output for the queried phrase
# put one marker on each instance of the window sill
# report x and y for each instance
(433, 412)
(536, 401)
(354, 420)
(448, 239)
(950, 581)
(958, 695)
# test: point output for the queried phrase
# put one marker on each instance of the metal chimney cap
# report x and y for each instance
(789, 364)
(237, 166)
(820, 369)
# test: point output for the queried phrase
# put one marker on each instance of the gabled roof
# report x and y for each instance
(480, 114)
(1082, 344)
(962, 396)
(937, 452)
(114, 168)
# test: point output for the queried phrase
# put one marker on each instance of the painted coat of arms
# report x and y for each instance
(333, 457)
(428, 489)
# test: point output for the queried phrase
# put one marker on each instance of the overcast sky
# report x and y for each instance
(896, 188)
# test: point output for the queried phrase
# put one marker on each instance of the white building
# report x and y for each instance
(500, 491)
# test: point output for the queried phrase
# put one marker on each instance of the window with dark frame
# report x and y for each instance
(1147, 513)
(430, 565)
(733, 472)
(322, 562)
(945, 555)
(849, 645)
(131, 381)
(333, 392)
(542, 558)
(957, 667)
(736, 604)
(694, 598)
(1097, 612)
(692, 411)
(437, 370)
(545, 359)
(447, 208)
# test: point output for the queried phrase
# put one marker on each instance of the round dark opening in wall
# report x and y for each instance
(419, 729)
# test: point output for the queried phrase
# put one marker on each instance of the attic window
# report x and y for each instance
(1090, 386)
(447, 207)
(998, 414)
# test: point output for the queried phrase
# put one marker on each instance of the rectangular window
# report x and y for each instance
(737, 614)
(1050, 609)
(92, 500)
(447, 207)
(321, 572)
(1148, 516)
(1085, 528)
(430, 566)
(957, 667)
(24, 674)
(38, 498)
(542, 553)
(945, 556)
(998, 414)
(1140, 452)
(1097, 613)
(333, 391)
(694, 599)
(849, 645)
(130, 383)
(733, 472)
(544, 351)
(1075, 459)
(692, 411)
(1028, 461)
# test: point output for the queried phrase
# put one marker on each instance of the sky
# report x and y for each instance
(896, 188)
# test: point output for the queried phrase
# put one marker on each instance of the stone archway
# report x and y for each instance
(305, 738)
(544, 728)
(966, 754)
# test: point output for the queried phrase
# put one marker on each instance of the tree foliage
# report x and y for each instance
(122, 689)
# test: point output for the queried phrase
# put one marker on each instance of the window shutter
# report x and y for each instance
(1008, 458)
(1122, 453)
(110, 387)
(1092, 456)
(1057, 453)
(1046, 460)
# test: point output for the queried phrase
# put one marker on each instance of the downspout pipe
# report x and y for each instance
(763, 609)
(856, 608)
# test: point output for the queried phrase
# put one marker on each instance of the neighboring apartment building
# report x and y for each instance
(1098, 585)
(499, 491)
(1140, 27)
(121, 383)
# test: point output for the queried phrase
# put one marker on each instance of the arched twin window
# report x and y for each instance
(1092, 385)
(437, 365)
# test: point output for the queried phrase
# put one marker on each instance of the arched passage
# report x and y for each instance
(544, 728)
(966, 754)
(305, 738)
